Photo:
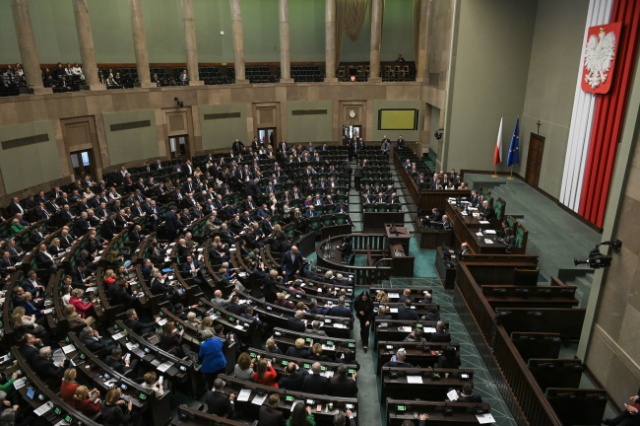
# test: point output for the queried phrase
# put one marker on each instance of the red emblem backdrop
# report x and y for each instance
(600, 57)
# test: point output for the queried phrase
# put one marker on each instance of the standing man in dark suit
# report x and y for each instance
(172, 224)
(291, 263)
(237, 147)
(187, 168)
(294, 379)
(341, 385)
(400, 142)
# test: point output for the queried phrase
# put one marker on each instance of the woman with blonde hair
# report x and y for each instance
(16, 227)
(23, 323)
(382, 297)
(193, 320)
(151, 383)
(69, 386)
(112, 414)
(77, 301)
(271, 346)
(74, 320)
(298, 350)
(87, 401)
(54, 248)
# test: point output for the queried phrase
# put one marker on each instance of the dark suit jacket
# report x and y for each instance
(270, 416)
(43, 260)
(171, 221)
(293, 381)
(289, 266)
(29, 353)
(294, 324)
(340, 311)
(343, 386)
(218, 403)
(440, 336)
(470, 398)
(315, 383)
(47, 371)
(407, 314)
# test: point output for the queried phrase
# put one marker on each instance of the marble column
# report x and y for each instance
(285, 43)
(85, 39)
(330, 41)
(238, 41)
(190, 43)
(376, 37)
(421, 60)
(27, 45)
(140, 44)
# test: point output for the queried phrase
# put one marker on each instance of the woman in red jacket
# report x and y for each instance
(80, 305)
(88, 402)
(265, 374)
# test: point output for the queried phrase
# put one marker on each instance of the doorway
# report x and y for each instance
(179, 146)
(267, 135)
(83, 164)
(351, 131)
(534, 159)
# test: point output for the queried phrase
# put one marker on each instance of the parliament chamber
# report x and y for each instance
(239, 212)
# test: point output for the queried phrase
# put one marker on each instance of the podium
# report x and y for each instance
(398, 249)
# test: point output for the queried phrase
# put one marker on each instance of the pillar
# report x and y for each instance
(27, 45)
(421, 60)
(85, 40)
(190, 43)
(330, 41)
(376, 37)
(285, 46)
(238, 41)
(140, 44)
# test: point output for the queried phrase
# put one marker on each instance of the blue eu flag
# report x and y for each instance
(514, 147)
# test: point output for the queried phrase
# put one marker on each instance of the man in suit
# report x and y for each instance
(30, 347)
(487, 211)
(340, 310)
(314, 382)
(187, 169)
(291, 263)
(46, 370)
(252, 190)
(218, 402)
(270, 415)
(406, 313)
(464, 249)
(33, 285)
(441, 334)
(341, 385)
(15, 207)
(139, 327)
(43, 259)
(172, 223)
(467, 395)
(400, 142)
(295, 377)
(237, 147)
(117, 362)
(7, 266)
(109, 227)
(295, 322)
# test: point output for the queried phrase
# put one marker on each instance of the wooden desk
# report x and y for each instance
(399, 410)
(401, 263)
(418, 354)
(432, 238)
(465, 228)
(446, 269)
(397, 235)
(435, 382)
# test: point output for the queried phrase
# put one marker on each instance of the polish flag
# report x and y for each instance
(497, 153)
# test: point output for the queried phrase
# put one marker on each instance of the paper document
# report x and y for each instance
(429, 330)
(20, 383)
(405, 328)
(490, 231)
(43, 408)
(488, 241)
(164, 366)
(452, 395)
(259, 399)
(483, 222)
(68, 348)
(58, 356)
(485, 418)
(118, 336)
(393, 310)
(394, 295)
(244, 395)
(414, 379)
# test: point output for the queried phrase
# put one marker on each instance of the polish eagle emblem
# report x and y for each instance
(599, 58)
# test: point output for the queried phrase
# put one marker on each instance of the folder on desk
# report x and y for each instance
(414, 379)
(259, 399)
(244, 395)
(485, 418)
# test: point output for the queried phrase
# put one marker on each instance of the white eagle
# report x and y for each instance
(598, 56)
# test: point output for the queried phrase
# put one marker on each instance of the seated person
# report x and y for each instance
(298, 350)
(436, 215)
(398, 360)
(315, 382)
(405, 312)
(293, 378)
(340, 310)
(139, 327)
(441, 334)
(270, 414)
(296, 322)
(432, 314)
(341, 385)
(415, 336)
(467, 395)
(151, 383)
(86, 401)
(345, 247)
(49, 372)
(449, 358)
(509, 239)
(271, 347)
(121, 364)
(93, 341)
(317, 355)
(219, 402)
(265, 374)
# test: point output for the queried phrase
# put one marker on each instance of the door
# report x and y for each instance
(267, 135)
(534, 159)
(351, 131)
(83, 164)
(179, 146)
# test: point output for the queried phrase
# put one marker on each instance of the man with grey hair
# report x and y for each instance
(340, 419)
(340, 310)
(398, 360)
(296, 322)
(44, 367)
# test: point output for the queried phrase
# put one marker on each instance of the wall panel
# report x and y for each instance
(131, 136)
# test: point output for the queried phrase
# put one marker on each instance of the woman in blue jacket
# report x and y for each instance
(211, 356)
